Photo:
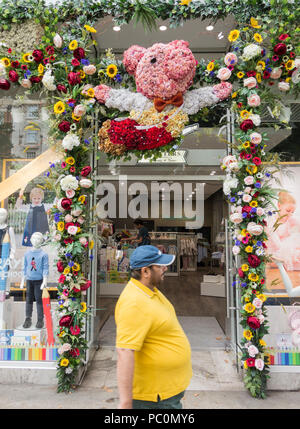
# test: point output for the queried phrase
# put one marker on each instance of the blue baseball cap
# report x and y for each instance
(144, 256)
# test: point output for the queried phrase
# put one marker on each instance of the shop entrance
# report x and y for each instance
(196, 283)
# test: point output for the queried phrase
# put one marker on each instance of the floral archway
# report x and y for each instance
(61, 67)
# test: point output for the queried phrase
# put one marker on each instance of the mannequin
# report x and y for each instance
(37, 218)
(36, 270)
(7, 254)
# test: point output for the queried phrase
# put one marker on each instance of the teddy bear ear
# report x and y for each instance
(132, 57)
(179, 44)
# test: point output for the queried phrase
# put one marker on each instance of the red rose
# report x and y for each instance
(79, 53)
(75, 352)
(280, 49)
(254, 261)
(67, 224)
(251, 73)
(246, 209)
(61, 88)
(62, 278)
(60, 266)
(65, 321)
(35, 79)
(75, 62)
(86, 171)
(86, 285)
(4, 84)
(66, 203)
(246, 125)
(256, 194)
(64, 126)
(250, 362)
(68, 240)
(13, 76)
(256, 160)
(253, 322)
(38, 56)
(241, 273)
(284, 36)
(75, 330)
(15, 64)
(74, 78)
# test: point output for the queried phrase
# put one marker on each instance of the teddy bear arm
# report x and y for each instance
(196, 99)
(125, 100)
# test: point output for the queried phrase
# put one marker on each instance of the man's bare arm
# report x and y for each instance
(125, 371)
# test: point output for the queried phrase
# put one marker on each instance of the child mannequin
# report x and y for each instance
(37, 218)
(36, 270)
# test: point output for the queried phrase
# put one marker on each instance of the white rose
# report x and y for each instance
(255, 229)
(235, 250)
(283, 86)
(236, 218)
(255, 119)
(296, 76)
(57, 41)
(48, 81)
(260, 211)
(257, 303)
(247, 198)
(249, 180)
(26, 83)
(69, 182)
(85, 183)
(70, 140)
(250, 82)
(229, 183)
(251, 51)
(224, 73)
(2, 70)
(252, 350)
(76, 212)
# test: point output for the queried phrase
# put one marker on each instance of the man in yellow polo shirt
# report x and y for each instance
(154, 355)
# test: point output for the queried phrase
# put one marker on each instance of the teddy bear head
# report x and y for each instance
(163, 70)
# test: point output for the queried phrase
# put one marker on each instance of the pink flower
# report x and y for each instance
(236, 218)
(83, 241)
(68, 218)
(90, 69)
(230, 59)
(247, 198)
(252, 350)
(101, 93)
(259, 364)
(257, 303)
(255, 138)
(79, 110)
(276, 73)
(250, 82)
(81, 220)
(283, 86)
(57, 40)
(63, 165)
(247, 190)
(249, 180)
(72, 230)
(260, 211)
(70, 193)
(253, 100)
(26, 83)
(224, 73)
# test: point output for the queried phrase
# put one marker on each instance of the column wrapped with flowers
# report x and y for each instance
(248, 172)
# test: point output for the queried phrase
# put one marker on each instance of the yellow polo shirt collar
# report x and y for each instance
(144, 288)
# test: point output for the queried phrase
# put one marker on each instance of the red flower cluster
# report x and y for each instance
(125, 133)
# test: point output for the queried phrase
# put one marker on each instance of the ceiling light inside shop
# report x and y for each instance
(209, 27)
(163, 28)
(116, 28)
(220, 35)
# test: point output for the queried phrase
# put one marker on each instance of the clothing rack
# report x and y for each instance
(188, 251)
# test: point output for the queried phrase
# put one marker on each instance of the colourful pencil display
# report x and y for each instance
(12, 353)
(287, 357)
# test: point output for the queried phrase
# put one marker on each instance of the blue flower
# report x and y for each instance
(232, 200)
(237, 242)
(233, 284)
(253, 210)
(259, 243)
(85, 62)
(68, 255)
(244, 214)
(118, 78)
(71, 263)
(65, 50)
(86, 141)
(257, 185)
(244, 284)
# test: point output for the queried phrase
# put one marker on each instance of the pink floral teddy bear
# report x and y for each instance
(159, 109)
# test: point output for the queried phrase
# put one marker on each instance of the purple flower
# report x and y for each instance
(85, 62)
(257, 185)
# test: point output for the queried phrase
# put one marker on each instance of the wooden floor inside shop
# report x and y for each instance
(184, 293)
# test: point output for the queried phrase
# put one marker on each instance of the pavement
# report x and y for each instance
(215, 385)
